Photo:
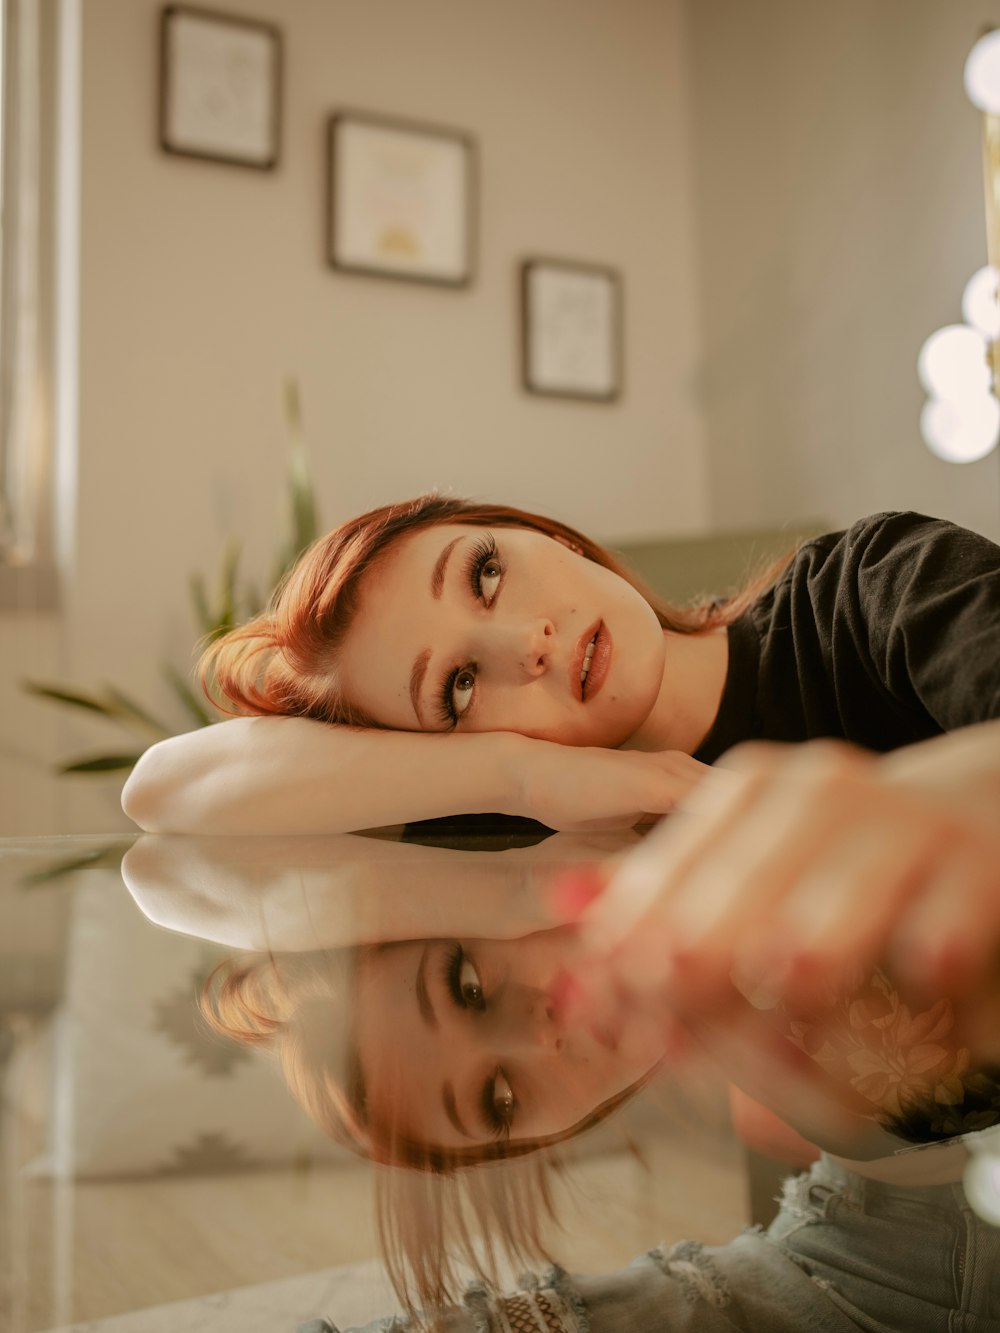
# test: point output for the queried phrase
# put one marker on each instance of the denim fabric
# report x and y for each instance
(844, 1254)
(894, 1258)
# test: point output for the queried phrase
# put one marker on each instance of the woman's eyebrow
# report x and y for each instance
(440, 569)
(417, 673)
(451, 1109)
(423, 995)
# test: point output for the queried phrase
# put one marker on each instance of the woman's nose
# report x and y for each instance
(529, 644)
(528, 1024)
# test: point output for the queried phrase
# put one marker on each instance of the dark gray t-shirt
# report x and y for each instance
(885, 634)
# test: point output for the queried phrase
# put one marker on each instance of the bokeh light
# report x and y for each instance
(982, 73)
(961, 432)
(980, 307)
(982, 1185)
(953, 363)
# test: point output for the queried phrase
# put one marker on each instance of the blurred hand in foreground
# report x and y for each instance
(790, 870)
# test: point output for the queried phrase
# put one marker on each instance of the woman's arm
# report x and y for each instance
(292, 775)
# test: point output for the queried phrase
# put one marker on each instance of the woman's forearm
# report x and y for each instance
(293, 775)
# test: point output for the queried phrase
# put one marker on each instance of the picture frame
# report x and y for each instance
(220, 87)
(401, 199)
(571, 329)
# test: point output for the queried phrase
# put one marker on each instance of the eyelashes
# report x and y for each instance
(483, 573)
(497, 1102)
(462, 979)
(483, 552)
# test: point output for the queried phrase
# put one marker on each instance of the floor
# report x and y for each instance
(79, 1254)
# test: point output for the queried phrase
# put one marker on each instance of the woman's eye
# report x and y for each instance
(503, 1099)
(489, 579)
(469, 986)
(461, 690)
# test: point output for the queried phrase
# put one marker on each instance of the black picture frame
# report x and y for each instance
(220, 89)
(401, 199)
(571, 329)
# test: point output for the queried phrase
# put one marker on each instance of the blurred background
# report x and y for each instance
(791, 193)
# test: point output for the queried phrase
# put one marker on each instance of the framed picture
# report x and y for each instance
(571, 329)
(220, 87)
(400, 199)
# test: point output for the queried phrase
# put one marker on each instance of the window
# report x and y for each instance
(27, 160)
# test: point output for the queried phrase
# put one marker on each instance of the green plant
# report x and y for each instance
(217, 609)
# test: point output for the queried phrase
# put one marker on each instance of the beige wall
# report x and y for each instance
(840, 210)
(203, 286)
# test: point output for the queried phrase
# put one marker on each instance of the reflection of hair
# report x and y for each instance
(284, 660)
(442, 1214)
(288, 1003)
(433, 1215)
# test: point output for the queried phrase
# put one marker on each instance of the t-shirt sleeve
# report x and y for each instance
(929, 594)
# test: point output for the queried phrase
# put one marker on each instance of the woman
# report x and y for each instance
(487, 659)
(556, 689)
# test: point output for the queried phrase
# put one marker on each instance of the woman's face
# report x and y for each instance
(461, 1042)
(461, 628)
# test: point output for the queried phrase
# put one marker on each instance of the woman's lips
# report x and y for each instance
(589, 667)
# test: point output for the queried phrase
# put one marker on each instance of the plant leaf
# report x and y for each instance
(226, 618)
(128, 710)
(199, 600)
(188, 698)
(252, 600)
(102, 763)
(304, 522)
(304, 518)
(110, 856)
(72, 697)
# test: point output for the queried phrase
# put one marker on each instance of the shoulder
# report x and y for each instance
(899, 538)
(886, 565)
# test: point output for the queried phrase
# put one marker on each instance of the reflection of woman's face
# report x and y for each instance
(460, 1042)
(462, 629)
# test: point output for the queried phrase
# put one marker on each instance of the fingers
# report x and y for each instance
(653, 874)
(789, 869)
(949, 939)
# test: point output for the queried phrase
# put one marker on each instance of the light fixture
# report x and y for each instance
(952, 364)
(982, 73)
(980, 307)
(961, 433)
(959, 365)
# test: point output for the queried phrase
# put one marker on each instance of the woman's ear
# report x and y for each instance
(575, 547)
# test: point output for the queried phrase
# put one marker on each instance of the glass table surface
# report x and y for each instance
(157, 1175)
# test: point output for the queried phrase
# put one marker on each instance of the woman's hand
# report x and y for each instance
(585, 789)
(790, 866)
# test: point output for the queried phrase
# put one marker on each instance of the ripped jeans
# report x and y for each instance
(844, 1253)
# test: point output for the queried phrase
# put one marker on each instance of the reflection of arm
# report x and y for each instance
(301, 893)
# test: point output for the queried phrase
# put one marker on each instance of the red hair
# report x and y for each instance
(284, 660)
